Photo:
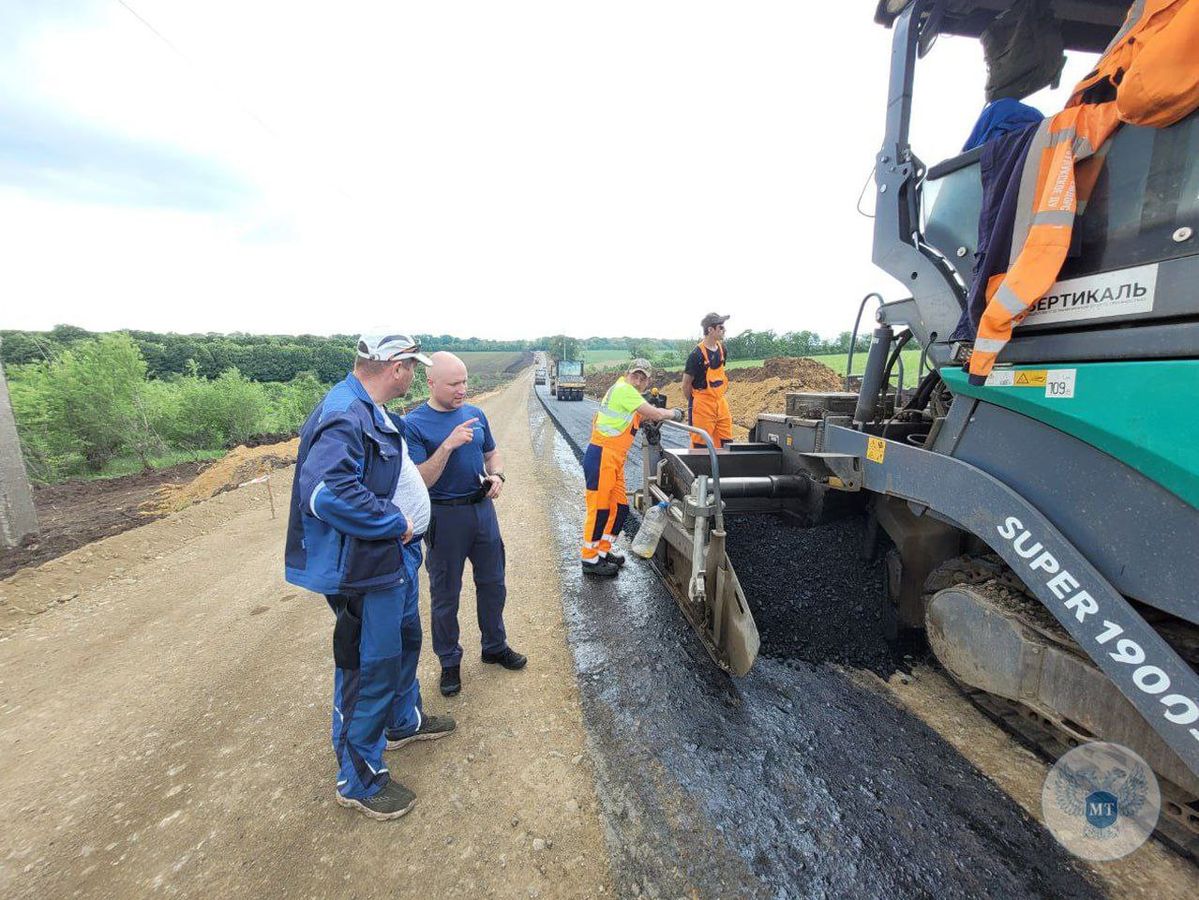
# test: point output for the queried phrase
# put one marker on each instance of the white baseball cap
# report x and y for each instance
(391, 347)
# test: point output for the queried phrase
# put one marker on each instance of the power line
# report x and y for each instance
(187, 59)
(217, 88)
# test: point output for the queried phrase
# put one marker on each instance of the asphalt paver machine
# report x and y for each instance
(1044, 527)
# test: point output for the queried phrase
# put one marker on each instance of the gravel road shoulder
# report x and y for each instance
(164, 716)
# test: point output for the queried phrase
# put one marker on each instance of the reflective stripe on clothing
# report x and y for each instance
(615, 423)
(611, 423)
(1153, 70)
(1039, 259)
(709, 409)
(607, 499)
(1151, 64)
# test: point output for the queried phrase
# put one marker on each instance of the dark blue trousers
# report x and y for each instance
(460, 533)
(376, 645)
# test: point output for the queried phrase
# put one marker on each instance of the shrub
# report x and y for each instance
(94, 394)
(218, 413)
(292, 402)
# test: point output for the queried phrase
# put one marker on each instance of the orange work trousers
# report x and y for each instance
(710, 411)
(607, 500)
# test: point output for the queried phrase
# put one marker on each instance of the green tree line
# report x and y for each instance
(94, 404)
(264, 358)
(280, 358)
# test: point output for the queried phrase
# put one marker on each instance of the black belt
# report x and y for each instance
(462, 501)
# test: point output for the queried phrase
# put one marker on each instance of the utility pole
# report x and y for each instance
(17, 515)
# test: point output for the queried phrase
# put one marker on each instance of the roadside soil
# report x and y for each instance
(164, 723)
(75, 513)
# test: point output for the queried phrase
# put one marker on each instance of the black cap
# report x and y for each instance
(712, 319)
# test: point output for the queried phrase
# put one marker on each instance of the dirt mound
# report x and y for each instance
(752, 391)
(768, 395)
(232, 470)
(813, 375)
(273, 437)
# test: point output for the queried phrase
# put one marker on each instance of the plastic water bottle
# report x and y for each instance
(652, 526)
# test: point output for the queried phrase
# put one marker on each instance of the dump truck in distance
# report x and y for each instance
(569, 382)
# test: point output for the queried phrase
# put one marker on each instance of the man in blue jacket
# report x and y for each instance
(345, 539)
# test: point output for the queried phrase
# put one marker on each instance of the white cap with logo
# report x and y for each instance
(391, 348)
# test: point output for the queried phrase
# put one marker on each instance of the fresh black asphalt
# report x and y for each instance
(799, 780)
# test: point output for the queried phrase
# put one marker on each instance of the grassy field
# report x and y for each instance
(488, 362)
(604, 359)
(837, 361)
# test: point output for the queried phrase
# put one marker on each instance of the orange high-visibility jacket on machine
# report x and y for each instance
(1148, 75)
(709, 408)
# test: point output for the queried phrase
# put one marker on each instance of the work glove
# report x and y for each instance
(677, 415)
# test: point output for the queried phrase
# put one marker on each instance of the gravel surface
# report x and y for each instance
(798, 780)
(164, 723)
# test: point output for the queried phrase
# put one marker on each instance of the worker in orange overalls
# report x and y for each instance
(705, 383)
(620, 414)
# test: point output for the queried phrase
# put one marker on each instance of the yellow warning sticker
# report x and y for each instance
(876, 449)
(789, 441)
(1012, 378)
(1031, 378)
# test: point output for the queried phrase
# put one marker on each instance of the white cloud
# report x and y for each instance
(502, 170)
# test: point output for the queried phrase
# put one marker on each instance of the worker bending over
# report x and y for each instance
(705, 384)
(620, 414)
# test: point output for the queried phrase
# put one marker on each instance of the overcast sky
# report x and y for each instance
(501, 169)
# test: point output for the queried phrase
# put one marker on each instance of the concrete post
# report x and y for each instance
(17, 515)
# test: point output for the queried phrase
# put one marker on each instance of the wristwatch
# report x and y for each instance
(500, 476)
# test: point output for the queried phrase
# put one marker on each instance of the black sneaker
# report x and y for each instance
(508, 658)
(615, 556)
(451, 681)
(602, 569)
(393, 801)
(431, 728)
